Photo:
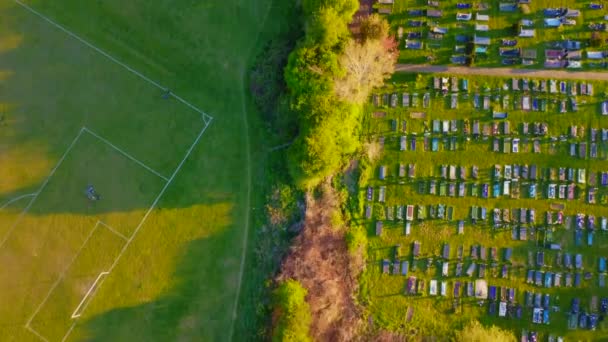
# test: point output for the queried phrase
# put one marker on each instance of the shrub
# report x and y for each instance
(291, 313)
(356, 239)
(475, 332)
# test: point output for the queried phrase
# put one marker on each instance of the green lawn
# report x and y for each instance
(500, 27)
(179, 278)
(383, 294)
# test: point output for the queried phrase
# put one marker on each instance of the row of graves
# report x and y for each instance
(530, 95)
(523, 223)
(510, 180)
(423, 28)
(411, 213)
(479, 260)
(564, 262)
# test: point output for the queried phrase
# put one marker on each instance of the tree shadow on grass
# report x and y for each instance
(196, 306)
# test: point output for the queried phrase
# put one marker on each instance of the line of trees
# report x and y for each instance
(328, 76)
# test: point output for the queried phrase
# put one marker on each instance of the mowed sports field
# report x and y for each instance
(159, 256)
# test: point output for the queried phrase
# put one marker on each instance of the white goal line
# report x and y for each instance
(107, 142)
(206, 117)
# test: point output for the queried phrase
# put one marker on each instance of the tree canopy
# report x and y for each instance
(291, 312)
(328, 76)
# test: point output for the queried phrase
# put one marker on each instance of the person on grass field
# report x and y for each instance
(92, 194)
(166, 94)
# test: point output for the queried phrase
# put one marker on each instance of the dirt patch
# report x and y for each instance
(320, 261)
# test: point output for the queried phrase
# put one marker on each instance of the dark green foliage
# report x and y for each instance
(267, 81)
(327, 125)
(291, 312)
(343, 8)
(282, 205)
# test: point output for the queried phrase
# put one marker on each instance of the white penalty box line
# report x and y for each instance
(102, 276)
(206, 117)
(124, 153)
(35, 195)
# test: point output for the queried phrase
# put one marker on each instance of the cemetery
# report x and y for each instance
(505, 220)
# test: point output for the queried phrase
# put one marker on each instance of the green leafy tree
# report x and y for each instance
(327, 28)
(291, 313)
(327, 123)
(345, 8)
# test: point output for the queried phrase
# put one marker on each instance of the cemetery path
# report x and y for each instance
(504, 72)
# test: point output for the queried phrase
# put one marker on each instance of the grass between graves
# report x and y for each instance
(384, 294)
(179, 278)
(501, 26)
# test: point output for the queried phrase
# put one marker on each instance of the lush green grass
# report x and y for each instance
(179, 278)
(383, 294)
(500, 27)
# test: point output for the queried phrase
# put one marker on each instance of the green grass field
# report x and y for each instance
(384, 294)
(500, 27)
(179, 277)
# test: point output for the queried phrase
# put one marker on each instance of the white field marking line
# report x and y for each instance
(36, 333)
(114, 231)
(65, 337)
(75, 36)
(62, 275)
(235, 306)
(206, 117)
(76, 313)
(125, 153)
(143, 220)
(46, 181)
(110, 57)
(11, 201)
